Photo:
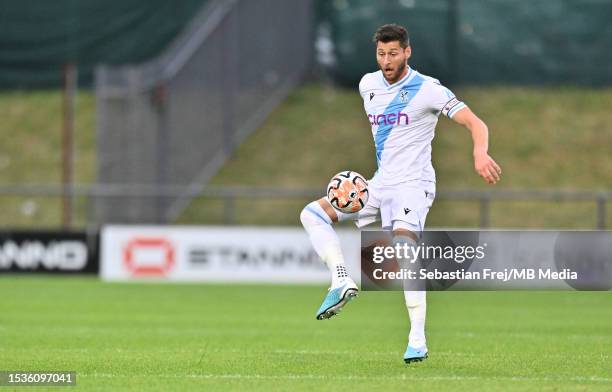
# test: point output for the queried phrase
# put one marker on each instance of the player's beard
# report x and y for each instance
(396, 75)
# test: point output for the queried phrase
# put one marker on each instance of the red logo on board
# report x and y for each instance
(149, 256)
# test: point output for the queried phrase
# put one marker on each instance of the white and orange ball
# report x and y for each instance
(348, 191)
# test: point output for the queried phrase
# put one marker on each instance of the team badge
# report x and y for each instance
(404, 96)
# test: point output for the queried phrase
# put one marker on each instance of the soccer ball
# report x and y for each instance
(348, 191)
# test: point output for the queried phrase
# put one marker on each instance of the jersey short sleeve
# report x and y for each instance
(443, 100)
(363, 85)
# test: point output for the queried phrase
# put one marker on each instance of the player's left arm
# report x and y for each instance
(484, 165)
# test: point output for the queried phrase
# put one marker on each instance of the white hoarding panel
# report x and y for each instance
(218, 254)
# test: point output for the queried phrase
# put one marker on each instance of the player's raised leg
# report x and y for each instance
(317, 218)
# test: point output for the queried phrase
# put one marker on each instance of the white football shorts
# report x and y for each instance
(403, 206)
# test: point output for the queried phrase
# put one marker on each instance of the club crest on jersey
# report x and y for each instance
(371, 96)
(404, 96)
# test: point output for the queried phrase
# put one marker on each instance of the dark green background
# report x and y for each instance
(38, 36)
(458, 41)
(476, 41)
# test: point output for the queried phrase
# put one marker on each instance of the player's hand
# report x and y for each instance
(487, 168)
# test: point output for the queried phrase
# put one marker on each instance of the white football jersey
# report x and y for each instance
(403, 118)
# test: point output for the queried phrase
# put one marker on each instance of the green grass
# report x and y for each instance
(550, 138)
(544, 138)
(159, 337)
(31, 153)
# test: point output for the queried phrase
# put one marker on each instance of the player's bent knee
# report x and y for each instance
(329, 210)
(314, 214)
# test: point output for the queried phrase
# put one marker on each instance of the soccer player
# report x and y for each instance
(402, 106)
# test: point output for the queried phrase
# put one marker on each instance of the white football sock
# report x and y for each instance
(324, 240)
(416, 304)
(417, 309)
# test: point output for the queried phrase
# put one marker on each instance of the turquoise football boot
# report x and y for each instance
(415, 354)
(336, 298)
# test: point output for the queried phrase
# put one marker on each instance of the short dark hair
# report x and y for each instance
(392, 32)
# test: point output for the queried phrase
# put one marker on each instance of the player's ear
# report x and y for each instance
(408, 52)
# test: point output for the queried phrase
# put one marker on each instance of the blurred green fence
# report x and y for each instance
(39, 206)
(474, 41)
(38, 37)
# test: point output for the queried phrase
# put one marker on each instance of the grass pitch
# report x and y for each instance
(159, 337)
(544, 138)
